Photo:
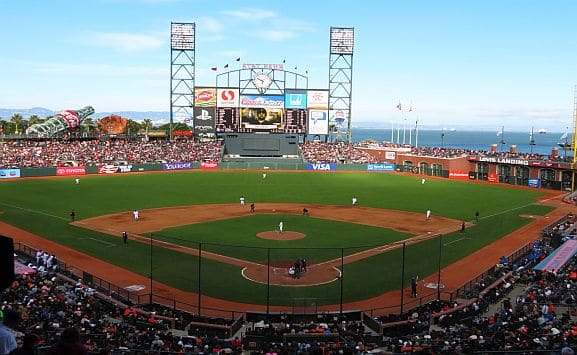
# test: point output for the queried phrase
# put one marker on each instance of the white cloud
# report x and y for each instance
(251, 14)
(124, 42)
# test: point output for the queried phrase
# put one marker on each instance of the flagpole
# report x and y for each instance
(417, 134)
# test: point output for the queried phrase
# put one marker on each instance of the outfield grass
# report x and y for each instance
(42, 206)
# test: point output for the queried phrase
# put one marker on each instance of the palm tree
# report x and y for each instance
(16, 120)
(147, 124)
(34, 119)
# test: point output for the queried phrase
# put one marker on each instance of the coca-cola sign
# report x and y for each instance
(262, 101)
(70, 117)
(70, 170)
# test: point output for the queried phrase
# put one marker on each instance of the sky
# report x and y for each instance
(458, 64)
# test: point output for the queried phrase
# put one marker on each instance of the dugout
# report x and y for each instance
(260, 145)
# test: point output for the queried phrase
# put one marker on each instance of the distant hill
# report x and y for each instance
(155, 116)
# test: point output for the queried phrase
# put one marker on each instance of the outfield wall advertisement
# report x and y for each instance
(114, 169)
(177, 166)
(9, 173)
(320, 166)
(381, 167)
(70, 170)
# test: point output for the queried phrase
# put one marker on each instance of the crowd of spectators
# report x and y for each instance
(36, 154)
(51, 153)
(55, 313)
(340, 152)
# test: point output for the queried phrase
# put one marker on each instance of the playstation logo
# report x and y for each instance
(204, 116)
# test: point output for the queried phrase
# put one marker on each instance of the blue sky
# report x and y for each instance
(463, 64)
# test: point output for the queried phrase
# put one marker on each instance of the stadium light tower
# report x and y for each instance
(182, 61)
(342, 44)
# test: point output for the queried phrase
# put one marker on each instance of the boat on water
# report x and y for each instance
(542, 131)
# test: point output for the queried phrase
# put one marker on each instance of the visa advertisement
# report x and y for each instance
(295, 100)
(320, 166)
(381, 167)
(9, 173)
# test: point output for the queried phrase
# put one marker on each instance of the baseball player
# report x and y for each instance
(264, 175)
(135, 214)
(428, 214)
(354, 201)
(77, 181)
(423, 181)
(280, 227)
(242, 201)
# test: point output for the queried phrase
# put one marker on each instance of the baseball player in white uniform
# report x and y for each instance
(135, 214)
(280, 227)
(428, 214)
(354, 201)
(242, 201)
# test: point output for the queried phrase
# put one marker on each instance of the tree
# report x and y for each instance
(132, 126)
(147, 124)
(17, 122)
(34, 119)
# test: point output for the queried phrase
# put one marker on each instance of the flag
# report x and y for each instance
(214, 68)
(399, 106)
(283, 61)
(306, 71)
(295, 68)
(238, 59)
(226, 66)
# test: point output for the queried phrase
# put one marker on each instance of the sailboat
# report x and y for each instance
(542, 131)
(566, 144)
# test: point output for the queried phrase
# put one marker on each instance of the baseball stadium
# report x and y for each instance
(254, 224)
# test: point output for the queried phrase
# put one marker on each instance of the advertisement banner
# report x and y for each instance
(492, 177)
(9, 173)
(176, 166)
(114, 169)
(459, 175)
(295, 100)
(209, 165)
(204, 119)
(70, 170)
(318, 100)
(320, 166)
(227, 98)
(268, 119)
(71, 118)
(318, 122)
(533, 182)
(390, 155)
(381, 167)
(338, 118)
(205, 97)
(472, 175)
(262, 101)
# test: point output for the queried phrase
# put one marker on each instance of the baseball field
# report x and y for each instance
(193, 234)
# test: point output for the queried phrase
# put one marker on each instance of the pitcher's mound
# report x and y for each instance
(276, 235)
